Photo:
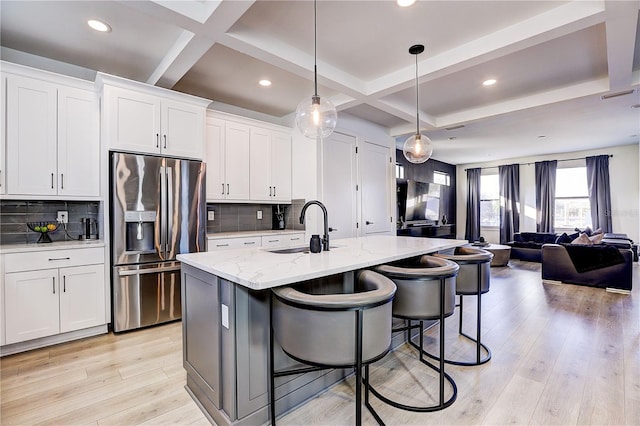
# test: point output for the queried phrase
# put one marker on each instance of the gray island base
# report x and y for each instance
(225, 305)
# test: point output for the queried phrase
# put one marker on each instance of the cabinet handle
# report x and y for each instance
(61, 180)
(270, 192)
(222, 245)
(54, 285)
(157, 140)
(51, 180)
(165, 141)
(273, 241)
(249, 242)
(223, 189)
(274, 191)
(58, 258)
(227, 189)
(294, 239)
(64, 283)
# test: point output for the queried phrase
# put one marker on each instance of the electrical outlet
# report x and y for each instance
(63, 217)
(259, 214)
(211, 215)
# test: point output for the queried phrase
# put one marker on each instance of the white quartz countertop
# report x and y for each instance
(259, 269)
(23, 248)
(241, 234)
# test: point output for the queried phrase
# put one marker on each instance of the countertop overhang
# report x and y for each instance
(260, 269)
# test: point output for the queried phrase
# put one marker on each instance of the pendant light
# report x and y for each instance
(316, 117)
(418, 148)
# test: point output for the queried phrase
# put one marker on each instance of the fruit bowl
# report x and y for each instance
(43, 228)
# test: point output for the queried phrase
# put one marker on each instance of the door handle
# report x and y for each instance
(332, 229)
(368, 223)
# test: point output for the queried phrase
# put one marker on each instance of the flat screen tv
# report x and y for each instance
(422, 203)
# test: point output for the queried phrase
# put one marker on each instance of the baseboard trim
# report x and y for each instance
(617, 290)
(28, 345)
(554, 282)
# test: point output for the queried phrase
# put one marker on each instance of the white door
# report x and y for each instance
(260, 165)
(236, 161)
(281, 166)
(374, 162)
(214, 150)
(31, 137)
(31, 302)
(78, 143)
(82, 302)
(339, 184)
(132, 120)
(182, 129)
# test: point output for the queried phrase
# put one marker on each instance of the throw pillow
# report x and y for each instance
(582, 239)
(586, 230)
(596, 238)
(596, 232)
(564, 239)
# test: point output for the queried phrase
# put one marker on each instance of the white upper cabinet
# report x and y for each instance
(3, 103)
(52, 139)
(247, 160)
(78, 142)
(227, 150)
(145, 119)
(270, 165)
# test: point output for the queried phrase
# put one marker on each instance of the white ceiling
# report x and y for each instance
(553, 61)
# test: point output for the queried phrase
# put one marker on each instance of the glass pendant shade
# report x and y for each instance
(316, 117)
(417, 149)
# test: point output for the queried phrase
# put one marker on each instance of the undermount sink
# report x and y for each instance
(291, 250)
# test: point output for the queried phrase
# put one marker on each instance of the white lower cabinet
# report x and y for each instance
(44, 302)
(271, 240)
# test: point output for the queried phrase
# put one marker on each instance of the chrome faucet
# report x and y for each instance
(325, 237)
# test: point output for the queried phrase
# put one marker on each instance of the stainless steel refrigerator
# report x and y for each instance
(158, 211)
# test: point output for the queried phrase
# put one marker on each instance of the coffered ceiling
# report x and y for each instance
(553, 60)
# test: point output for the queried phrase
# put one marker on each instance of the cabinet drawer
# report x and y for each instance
(283, 240)
(232, 243)
(16, 262)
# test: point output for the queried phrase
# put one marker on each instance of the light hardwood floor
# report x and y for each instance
(562, 354)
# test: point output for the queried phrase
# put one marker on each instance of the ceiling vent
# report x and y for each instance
(615, 95)
(460, 126)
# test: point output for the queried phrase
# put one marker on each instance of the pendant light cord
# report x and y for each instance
(417, 100)
(315, 46)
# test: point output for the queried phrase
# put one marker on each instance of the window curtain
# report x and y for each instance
(472, 230)
(599, 192)
(509, 177)
(545, 195)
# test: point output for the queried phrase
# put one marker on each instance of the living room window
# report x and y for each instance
(572, 199)
(489, 200)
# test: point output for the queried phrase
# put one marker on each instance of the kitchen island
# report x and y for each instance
(225, 307)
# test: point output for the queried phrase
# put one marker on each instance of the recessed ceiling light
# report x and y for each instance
(452, 138)
(265, 83)
(489, 82)
(99, 25)
(405, 3)
(542, 136)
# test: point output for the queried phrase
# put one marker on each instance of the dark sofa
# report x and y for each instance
(558, 266)
(528, 245)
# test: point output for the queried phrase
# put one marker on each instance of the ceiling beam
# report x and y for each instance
(621, 23)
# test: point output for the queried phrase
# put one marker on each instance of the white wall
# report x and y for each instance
(624, 180)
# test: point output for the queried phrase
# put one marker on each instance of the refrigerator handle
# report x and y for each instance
(163, 213)
(169, 211)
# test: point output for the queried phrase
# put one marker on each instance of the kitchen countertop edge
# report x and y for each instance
(31, 247)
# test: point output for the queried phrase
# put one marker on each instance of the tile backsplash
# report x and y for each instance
(14, 216)
(243, 217)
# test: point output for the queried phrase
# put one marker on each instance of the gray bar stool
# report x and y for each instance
(473, 279)
(426, 291)
(323, 324)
